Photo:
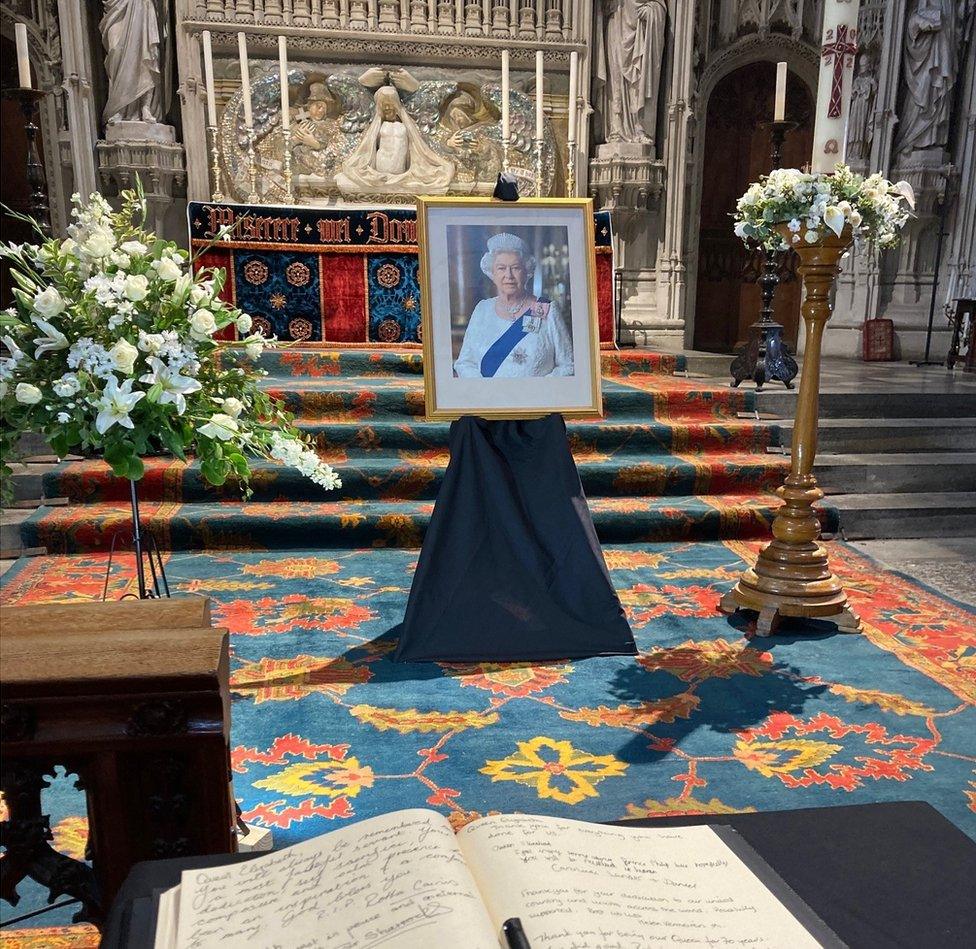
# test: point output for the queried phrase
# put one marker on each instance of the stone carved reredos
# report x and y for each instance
(458, 119)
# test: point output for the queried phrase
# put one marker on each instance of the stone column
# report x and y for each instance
(79, 104)
(858, 287)
(672, 264)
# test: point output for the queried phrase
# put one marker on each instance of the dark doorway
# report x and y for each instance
(737, 152)
(14, 189)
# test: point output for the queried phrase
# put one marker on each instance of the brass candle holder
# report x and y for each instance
(252, 168)
(286, 164)
(38, 205)
(216, 192)
(792, 576)
(538, 167)
(571, 169)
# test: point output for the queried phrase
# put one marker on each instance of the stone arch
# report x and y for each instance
(801, 59)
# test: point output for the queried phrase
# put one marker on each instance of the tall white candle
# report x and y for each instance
(573, 70)
(779, 112)
(506, 95)
(245, 79)
(540, 114)
(23, 56)
(208, 78)
(834, 87)
(283, 80)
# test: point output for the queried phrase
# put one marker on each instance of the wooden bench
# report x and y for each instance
(132, 697)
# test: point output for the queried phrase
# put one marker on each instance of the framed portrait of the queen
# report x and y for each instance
(508, 292)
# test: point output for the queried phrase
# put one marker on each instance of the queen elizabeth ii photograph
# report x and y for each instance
(518, 329)
(509, 309)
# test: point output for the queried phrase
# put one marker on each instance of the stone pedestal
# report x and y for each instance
(627, 180)
(149, 151)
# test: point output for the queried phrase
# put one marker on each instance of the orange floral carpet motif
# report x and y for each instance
(706, 719)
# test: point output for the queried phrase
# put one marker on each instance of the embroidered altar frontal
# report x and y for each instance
(344, 275)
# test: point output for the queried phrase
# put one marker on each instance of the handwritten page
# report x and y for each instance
(398, 880)
(585, 885)
(167, 914)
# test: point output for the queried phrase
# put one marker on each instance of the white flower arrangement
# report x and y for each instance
(810, 206)
(110, 351)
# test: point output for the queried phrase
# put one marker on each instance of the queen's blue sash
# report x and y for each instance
(499, 350)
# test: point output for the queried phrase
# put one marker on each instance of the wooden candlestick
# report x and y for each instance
(792, 576)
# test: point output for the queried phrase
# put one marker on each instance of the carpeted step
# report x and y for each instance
(364, 399)
(652, 438)
(417, 476)
(294, 361)
(344, 524)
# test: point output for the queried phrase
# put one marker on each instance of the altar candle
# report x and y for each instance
(573, 70)
(837, 52)
(23, 56)
(779, 113)
(245, 79)
(208, 78)
(540, 115)
(283, 81)
(506, 94)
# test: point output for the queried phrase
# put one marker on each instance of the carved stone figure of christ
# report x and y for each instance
(933, 38)
(392, 156)
(629, 45)
(133, 33)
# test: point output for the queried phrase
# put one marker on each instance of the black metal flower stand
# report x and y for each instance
(146, 552)
(767, 357)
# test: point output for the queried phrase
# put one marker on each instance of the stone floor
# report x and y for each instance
(948, 565)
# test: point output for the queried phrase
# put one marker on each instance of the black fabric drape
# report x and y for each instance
(511, 568)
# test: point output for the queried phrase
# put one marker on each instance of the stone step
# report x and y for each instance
(935, 514)
(885, 435)
(10, 522)
(902, 404)
(27, 480)
(896, 472)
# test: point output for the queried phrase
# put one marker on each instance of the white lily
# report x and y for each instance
(116, 403)
(175, 386)
(52, 340)
(834, 219)
(905, 190)
(220, 426)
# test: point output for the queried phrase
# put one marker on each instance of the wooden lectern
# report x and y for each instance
(132, 697)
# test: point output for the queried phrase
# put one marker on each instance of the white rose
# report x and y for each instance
(254, 349)
(201, 293)
(168, 269)
(151, 343)
(68, 247)
(244, 323)
(220, 426)
(202, 324)
(124, 356)
(48, 303)
(136, 287)
(98, 245)
(855, 218)
(133, 248)
(233, 407)
(26, 394)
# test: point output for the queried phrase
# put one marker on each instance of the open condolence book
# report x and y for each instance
(405, 881)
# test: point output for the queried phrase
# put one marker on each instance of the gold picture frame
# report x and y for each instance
(447, 396)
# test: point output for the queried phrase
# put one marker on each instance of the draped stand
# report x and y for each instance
(511, 568)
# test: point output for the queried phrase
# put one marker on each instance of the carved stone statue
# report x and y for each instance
(135, 34)
(860, 122)
(933, 39)
(629, 42)
(392, 157)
